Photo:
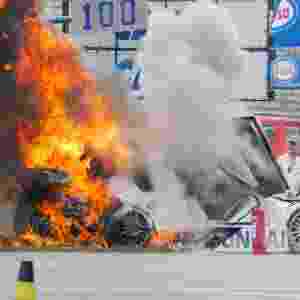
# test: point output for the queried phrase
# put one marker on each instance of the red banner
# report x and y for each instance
(279, 131)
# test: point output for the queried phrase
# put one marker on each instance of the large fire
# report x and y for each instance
(49, 65)
(69, 125)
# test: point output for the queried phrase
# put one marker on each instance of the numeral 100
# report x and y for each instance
(105, 13)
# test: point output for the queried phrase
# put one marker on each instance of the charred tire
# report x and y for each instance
(131, 229)
(293, 232)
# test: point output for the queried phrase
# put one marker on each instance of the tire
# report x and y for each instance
(293, 231)
(131, 229)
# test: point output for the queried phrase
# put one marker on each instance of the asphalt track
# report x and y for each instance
(203, 275)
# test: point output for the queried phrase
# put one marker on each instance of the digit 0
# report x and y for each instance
(108, 7)
(127, 12)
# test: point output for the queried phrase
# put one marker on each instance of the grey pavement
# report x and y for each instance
(198, 275)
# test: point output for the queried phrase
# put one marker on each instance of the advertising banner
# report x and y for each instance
(285, 23)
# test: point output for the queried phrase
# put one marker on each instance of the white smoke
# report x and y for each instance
(190, 62)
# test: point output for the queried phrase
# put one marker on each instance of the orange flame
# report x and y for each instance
(3, 3)
(50, 69)
(70, 117)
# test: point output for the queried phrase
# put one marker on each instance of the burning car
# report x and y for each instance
(131, 224)
(237, 193)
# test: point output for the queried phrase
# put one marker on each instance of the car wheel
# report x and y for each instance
(293, 231)
(133, 228)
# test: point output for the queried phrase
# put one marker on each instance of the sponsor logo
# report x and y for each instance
(244, 239)
(285, 15)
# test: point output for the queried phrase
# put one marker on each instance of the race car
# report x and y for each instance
(281, 206)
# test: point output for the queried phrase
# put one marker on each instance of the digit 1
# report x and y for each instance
(110, 7)
(87, 17)
(131, 11)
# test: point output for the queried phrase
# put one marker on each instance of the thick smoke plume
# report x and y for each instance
(191, 62)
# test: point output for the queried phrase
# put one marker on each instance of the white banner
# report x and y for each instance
(108, 16)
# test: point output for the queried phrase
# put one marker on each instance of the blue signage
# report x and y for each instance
(286, 23)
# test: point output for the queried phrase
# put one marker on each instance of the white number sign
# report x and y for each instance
(108, 15)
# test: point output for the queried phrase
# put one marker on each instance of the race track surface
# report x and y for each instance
(156, 276)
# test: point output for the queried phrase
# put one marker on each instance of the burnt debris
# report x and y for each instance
(37, 188)
(131, 226)
(40, 182)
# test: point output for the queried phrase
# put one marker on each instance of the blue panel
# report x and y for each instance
(286, 23)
